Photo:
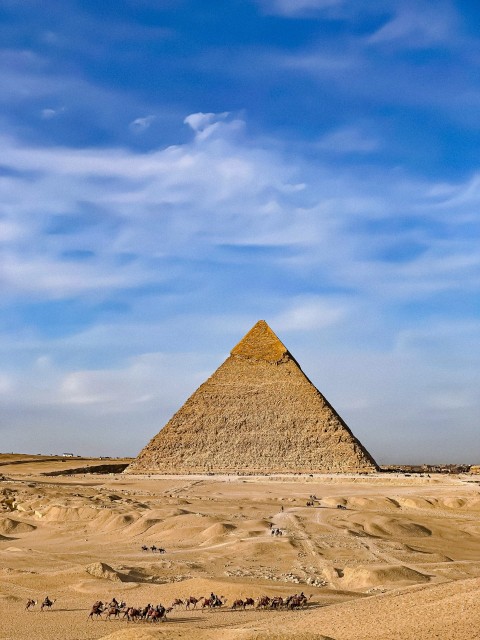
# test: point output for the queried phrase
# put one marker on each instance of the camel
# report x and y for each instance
(297, 601)
(97, 610)
(211, 603)
(30, 603)
(159, 613)
(237, 604)
(177, 602)
(112, 611)
(263, 602)
(191, 600)
(47, 603)
(276, 602)
(249, 602)
(132, 614)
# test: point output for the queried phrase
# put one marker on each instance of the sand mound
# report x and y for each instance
(384, 527)
(9, 526)
(60, 513)
(253, 528)
(169, 513)
(143, 525)
(107, 521)
(426, 556)
(363, 577)
(418, 502)
(359, 502)
(333, 501)
(217, 530)
(104, 571)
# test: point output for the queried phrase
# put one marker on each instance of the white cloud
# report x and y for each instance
(200, 208)
(207, 125)
(418, 25)
(222, 189)
(48, 114)
(294, 8)
(139, 125)
(309, 314)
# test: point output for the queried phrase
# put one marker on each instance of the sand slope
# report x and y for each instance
(400, 561)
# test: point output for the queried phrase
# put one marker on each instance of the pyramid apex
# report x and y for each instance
(260, 343)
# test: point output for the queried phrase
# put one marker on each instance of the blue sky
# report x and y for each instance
(171, 172)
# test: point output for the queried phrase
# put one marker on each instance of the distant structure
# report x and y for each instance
(258, 413)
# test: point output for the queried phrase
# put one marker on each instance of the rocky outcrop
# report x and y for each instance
(258, 413)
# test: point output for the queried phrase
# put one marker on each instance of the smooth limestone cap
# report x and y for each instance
(260, 343)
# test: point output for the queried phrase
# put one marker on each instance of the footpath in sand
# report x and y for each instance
(399, 560)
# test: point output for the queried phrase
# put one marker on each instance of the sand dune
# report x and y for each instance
(365, 577)
(389, 527)
(8, 525)
(401, 553)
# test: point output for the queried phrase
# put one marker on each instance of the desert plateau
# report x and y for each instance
(379, 556)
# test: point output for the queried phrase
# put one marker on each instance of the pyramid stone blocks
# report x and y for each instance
(258, 413)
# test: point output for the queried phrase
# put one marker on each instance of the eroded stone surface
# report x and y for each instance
(258, 413)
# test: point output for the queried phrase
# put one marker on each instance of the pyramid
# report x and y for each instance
(258, 413)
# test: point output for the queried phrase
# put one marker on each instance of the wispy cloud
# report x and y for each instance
(49, 114)
(349, 140)
(220, 189)
(298, 8)
(418, 25)
(139, 125)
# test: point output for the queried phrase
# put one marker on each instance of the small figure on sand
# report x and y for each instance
(47, 603)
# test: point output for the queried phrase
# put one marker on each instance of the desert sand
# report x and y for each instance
(400, 561)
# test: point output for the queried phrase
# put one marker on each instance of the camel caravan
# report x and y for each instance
(119, 610)
(158, 613)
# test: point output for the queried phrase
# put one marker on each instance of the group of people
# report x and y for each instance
(153, 549)
(113, 609)
(276, 532)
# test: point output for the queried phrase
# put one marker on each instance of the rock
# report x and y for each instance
(104, 571)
